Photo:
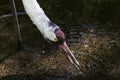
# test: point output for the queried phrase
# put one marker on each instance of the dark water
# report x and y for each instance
(81, 20)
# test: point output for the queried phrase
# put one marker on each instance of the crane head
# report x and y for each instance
(56, 37)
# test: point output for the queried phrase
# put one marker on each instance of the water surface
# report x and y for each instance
(92, 30)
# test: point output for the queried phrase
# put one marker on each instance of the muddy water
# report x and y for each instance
(92, 30)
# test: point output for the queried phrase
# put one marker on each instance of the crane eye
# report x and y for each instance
(55, 39)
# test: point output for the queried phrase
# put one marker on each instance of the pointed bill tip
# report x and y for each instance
(67, 52)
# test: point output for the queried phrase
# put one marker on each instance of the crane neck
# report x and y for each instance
(36, 13)
(32, 6)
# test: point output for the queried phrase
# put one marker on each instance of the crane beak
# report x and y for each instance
(67, 52)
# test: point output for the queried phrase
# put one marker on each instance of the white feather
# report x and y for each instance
(39, 18)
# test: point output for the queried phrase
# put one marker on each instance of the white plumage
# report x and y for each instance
(39, 18)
